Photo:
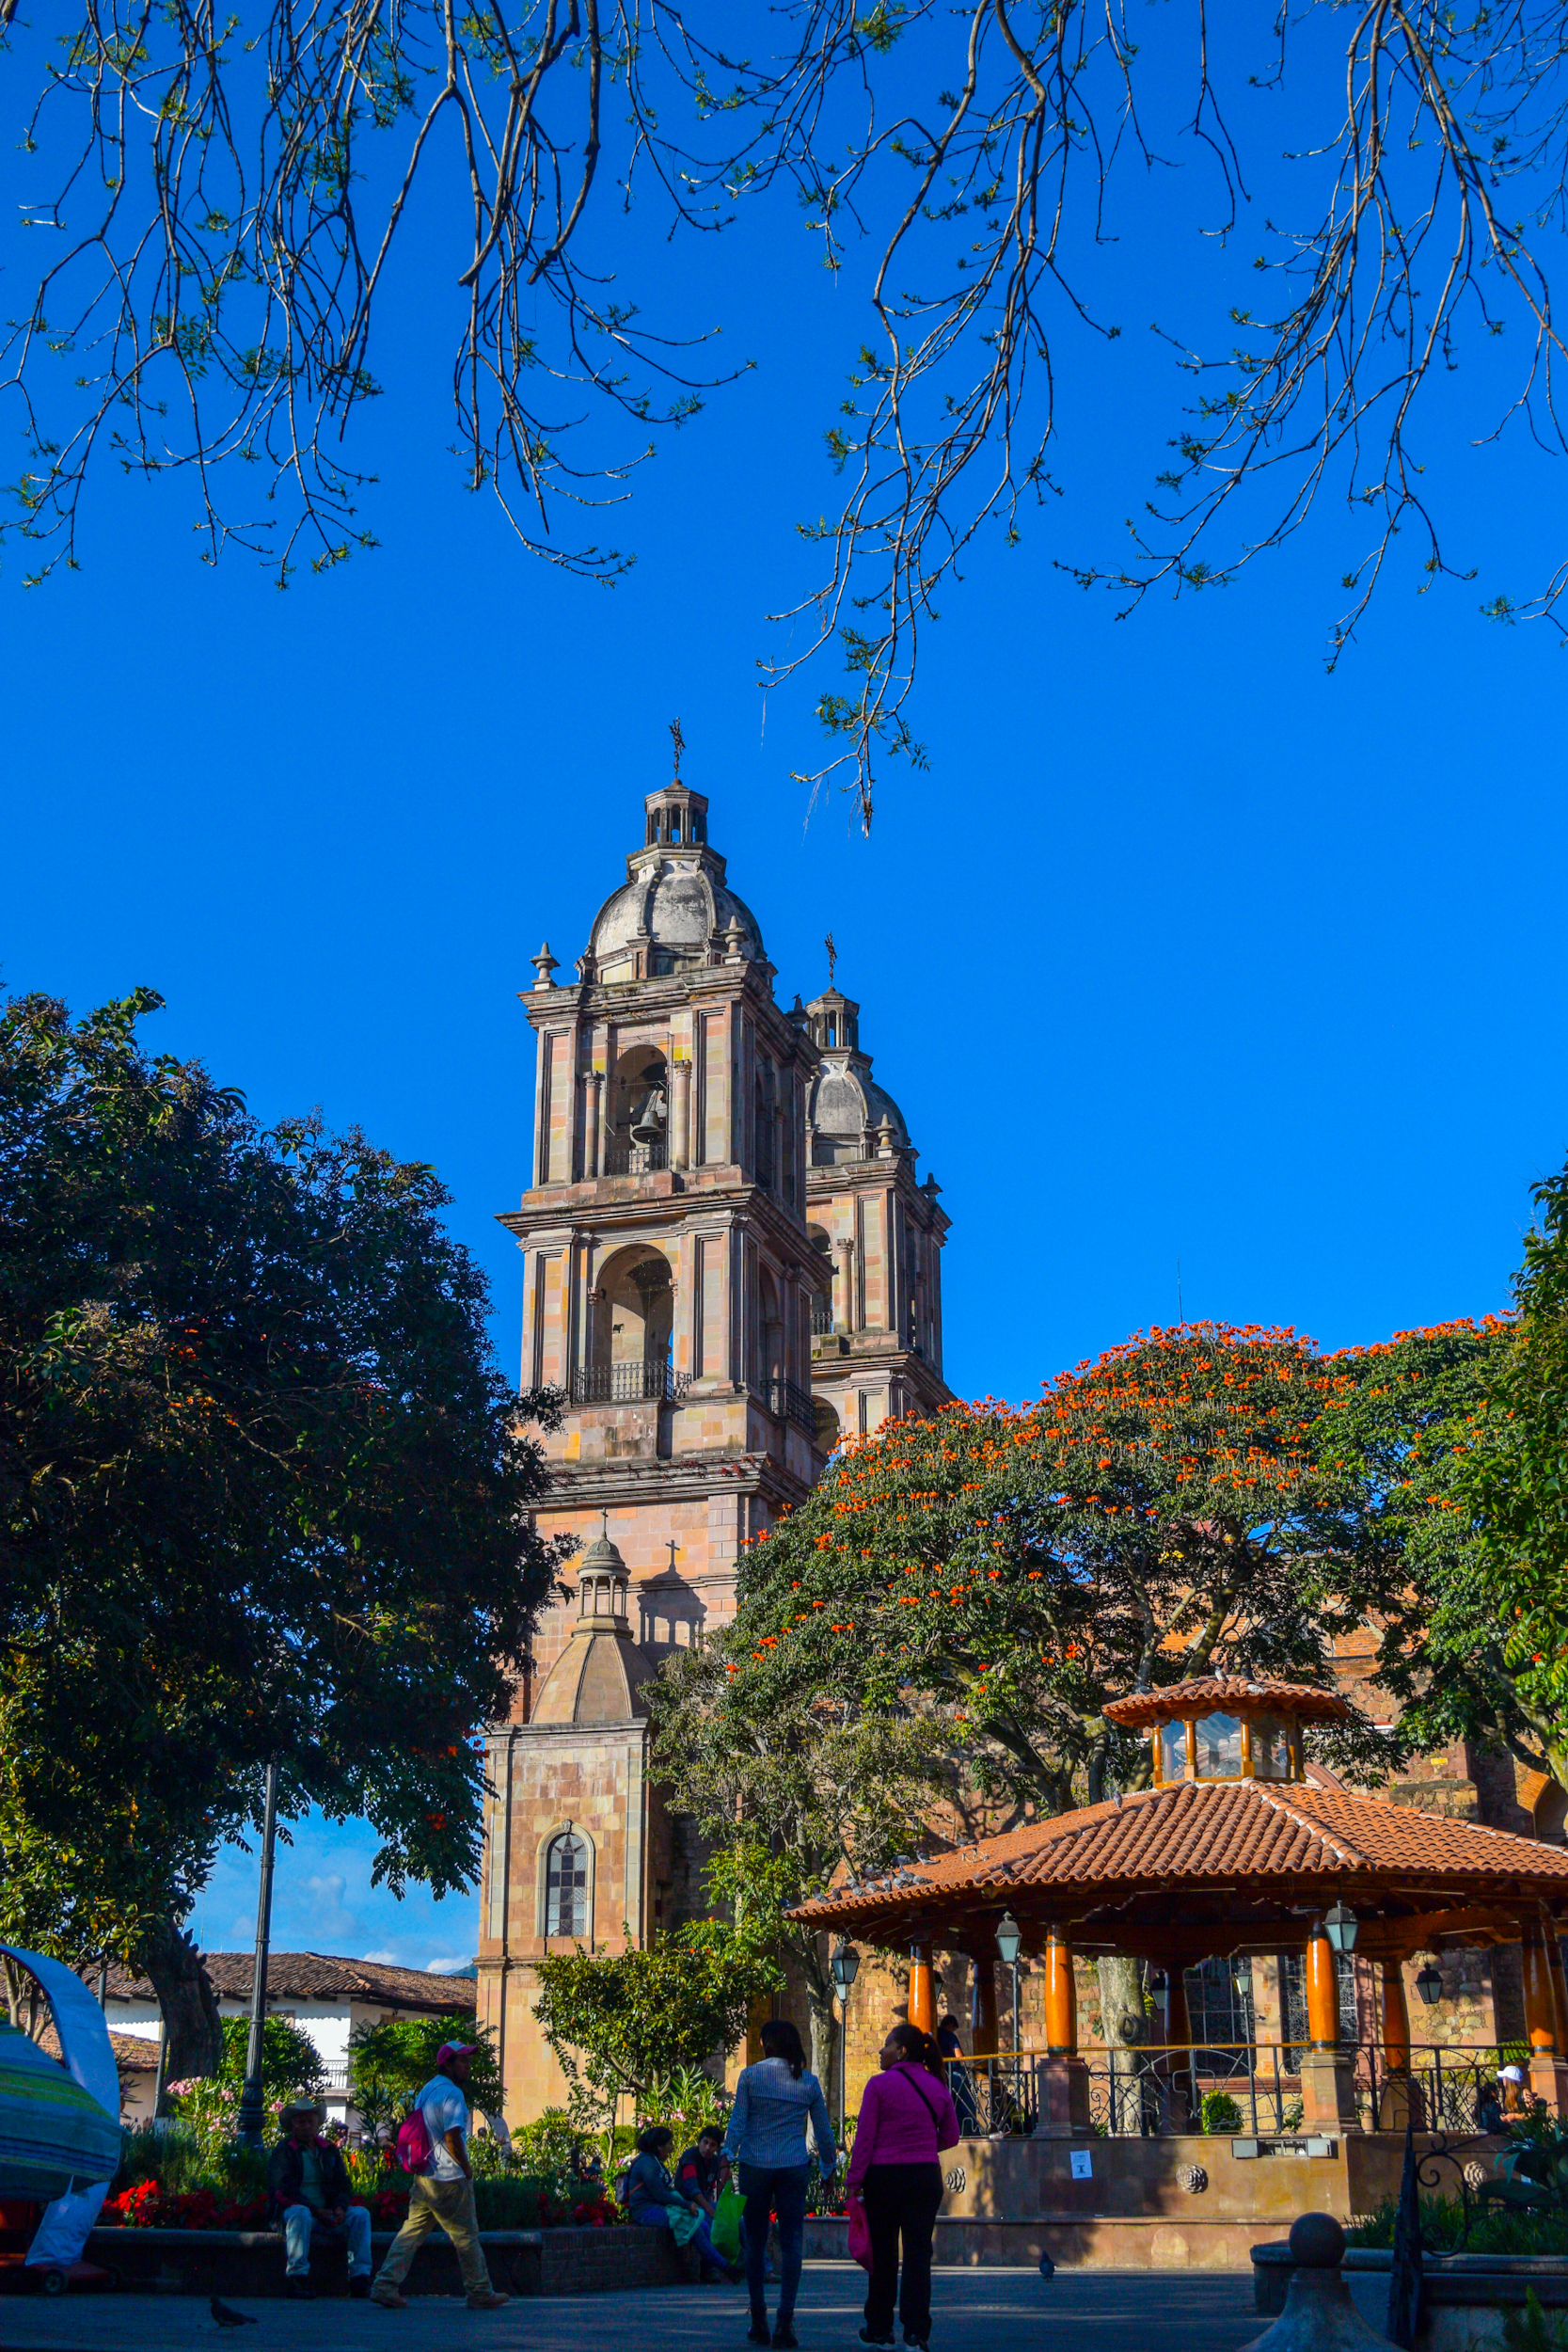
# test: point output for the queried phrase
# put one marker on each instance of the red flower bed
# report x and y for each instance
(146, 2206)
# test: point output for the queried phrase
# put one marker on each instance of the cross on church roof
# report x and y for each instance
(832, 957)
(678, 739)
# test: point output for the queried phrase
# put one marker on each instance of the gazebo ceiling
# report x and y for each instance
(1216, 1867)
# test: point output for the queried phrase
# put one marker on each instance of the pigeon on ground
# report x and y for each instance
(1048, 2268)
(227, 2317)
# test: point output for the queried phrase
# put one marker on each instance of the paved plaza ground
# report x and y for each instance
(975, 2311)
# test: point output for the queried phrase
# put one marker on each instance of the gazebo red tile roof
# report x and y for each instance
(1212, 1860)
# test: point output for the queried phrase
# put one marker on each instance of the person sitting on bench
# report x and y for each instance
(310, 2189)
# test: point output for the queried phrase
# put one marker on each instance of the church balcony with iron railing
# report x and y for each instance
(821, 1319)
(628, 1384)
(786, 1401)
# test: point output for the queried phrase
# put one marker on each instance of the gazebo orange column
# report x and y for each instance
(1548, 2074)
(1062, 2078)
(1327, 2079)
(923, 1990)
(1061, 1998)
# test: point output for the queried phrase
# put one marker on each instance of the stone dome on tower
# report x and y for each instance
(850, 1116)
(674, 911)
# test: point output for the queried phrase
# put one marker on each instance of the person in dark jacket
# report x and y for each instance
(309, 2187)
(653, 2198)
(698, 2175)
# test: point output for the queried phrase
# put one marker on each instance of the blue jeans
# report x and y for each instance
(782, 2191)
(298, 2222)
(657, 2218)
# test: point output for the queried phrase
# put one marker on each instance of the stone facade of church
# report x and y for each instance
(729, 1262)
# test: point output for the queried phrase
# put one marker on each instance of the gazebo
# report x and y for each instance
(1233, 1850)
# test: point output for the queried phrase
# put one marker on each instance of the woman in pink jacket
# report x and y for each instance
(905, 2120)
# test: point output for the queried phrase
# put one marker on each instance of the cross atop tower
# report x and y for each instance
(678, 741)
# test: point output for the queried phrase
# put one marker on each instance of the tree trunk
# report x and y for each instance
(192, 2025)
(1122, 2022)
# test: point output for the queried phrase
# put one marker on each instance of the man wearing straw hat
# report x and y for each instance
(311, 2188)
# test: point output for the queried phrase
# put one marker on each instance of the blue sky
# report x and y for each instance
(1182, 954)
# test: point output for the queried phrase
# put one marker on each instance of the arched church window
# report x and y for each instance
(566, 1886)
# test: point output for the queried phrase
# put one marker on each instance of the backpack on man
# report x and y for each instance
(414, 2148)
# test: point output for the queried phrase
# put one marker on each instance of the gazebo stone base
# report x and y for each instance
(1548, 2080)
(1177, 2202)
(1062, 2099)
(1328, 2090)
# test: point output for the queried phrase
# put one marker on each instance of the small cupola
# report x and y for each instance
(675, 817)
(604, 1582)
(1224, 1727)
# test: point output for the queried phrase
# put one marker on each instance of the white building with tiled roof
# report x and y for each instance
(322, 1992)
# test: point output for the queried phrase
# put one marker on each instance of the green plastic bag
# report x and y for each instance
(725, 2233)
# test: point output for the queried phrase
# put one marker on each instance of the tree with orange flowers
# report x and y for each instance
(1161, 1512)
(941, 1623)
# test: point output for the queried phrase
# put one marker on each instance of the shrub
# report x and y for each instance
(553, 2144)
(1443, 2229)
(1220, 2113)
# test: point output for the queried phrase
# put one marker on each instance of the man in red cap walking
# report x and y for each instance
(441, 2194)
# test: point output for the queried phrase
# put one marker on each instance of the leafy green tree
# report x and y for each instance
(1422, 1419)
(264, 1496)
(622, 2023)
(292, 2066)
(390, 2059)
(1516, 1481)
(790, 1793)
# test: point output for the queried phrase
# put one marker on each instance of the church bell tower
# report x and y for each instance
(670, 1288)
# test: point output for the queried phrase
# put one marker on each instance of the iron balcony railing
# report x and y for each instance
(789, 1403)
(634, 1159)
(821, 1319)
(628, 1384)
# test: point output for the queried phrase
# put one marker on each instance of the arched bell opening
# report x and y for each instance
(637, 1113)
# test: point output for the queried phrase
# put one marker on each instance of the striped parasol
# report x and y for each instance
(53, 2135)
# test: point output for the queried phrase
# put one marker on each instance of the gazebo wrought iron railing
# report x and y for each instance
(1441, 2089)
(997, 2096)
(1150, 2092)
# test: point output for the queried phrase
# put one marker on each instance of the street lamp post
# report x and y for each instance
(1008, 1939)
(251, 2124)
(845, 1965)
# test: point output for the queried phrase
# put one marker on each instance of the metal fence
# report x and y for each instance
(1247, 2088)
(1440, 2091)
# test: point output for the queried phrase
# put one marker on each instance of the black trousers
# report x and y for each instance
(901, 2201)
